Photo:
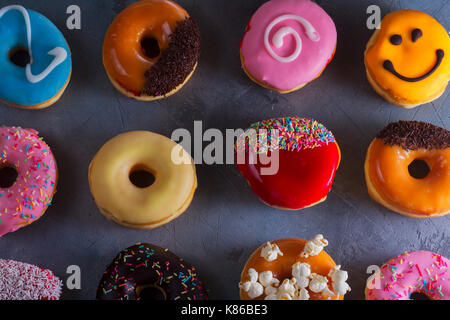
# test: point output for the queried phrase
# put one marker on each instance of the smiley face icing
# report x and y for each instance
(408, 59)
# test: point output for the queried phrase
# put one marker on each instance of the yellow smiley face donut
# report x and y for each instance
(132, 203)
(408, 59)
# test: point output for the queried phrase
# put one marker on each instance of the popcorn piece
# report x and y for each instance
(253, 288)
(314, 246)
(270, 252)
(318, 283)
(270, 290)
(266, 279)
(284, 296)
(301, 272)
(302, 294)
(339, 278)
(287, 288)
(271, 297)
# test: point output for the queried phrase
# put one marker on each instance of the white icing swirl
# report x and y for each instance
(60, 54)
(278, 37)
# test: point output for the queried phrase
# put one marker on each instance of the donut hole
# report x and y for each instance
(150, 47)
(418, 169)
(20, 56)
(142, 177)
(8, 176)
(419, 296)
(150, 292)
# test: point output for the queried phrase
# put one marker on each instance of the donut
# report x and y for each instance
(151, 49)
(407, 59)
(28, 177)
(305, 157)
(148, 272)
(392, 155)
(414, 272)
(293, 269)
(23, 281)
(287, 43)
(137, 183)
(35, 60)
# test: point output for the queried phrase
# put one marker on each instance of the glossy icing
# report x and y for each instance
(296, 57)
(51, 64)
(145, 265)
(28, 198)
(416, 66)
(308, 160)
(123, 56)
(281, 267)
(387, 167)
(125, 203)
(416, 271)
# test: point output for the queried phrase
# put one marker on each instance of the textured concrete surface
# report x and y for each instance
(225, 221)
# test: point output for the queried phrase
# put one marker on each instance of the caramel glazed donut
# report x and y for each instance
(293, 269)
(388, 160)
(148, 272)
(151, 49)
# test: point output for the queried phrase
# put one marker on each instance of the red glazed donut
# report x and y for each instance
(308, 157)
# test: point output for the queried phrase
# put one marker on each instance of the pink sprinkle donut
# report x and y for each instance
(28, 176)
(23, 281)
(411, 272)
(287, 44)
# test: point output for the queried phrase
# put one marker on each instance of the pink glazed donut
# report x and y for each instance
(28, 176)
(287, 44)
(411, 272)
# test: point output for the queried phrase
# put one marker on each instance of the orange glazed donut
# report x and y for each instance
(388, 165)
(151, 49)
(293, 269)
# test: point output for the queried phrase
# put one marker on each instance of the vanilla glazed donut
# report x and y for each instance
(147, 205)
(23, 281)
(293, 269)
(28, 178)
(151, 49)
(35, 59)
(412, 272)
(148, 272)
(387, 169)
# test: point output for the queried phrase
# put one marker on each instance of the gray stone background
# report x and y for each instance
(225, 221)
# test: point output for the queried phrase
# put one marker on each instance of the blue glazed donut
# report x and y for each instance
(35, 60)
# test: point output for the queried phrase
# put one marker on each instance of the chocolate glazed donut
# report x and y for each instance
(148, 272)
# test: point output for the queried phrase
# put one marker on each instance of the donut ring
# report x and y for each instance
(148, 272)
(151, 49)
(147, 207)
(386, 169)
(292, 269)
(302, 175)
(411, 272)
(287, 44)
(35, 60)
(23, 281)
(28, 177)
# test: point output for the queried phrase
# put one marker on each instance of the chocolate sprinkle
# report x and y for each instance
(176, 62)
(413, 135)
